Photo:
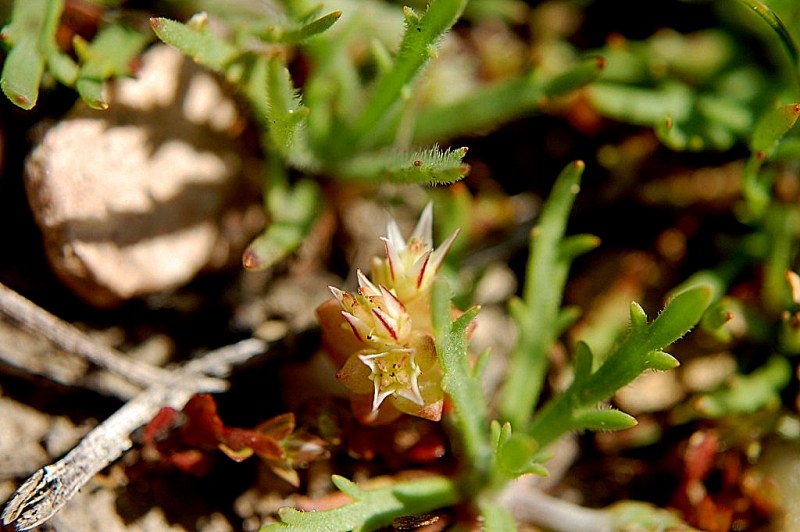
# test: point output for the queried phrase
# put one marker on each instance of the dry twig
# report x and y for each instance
(49, 488)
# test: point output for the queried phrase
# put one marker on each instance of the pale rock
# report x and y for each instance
(130, 200)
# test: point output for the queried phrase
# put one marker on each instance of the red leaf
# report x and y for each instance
(278, 427)
(203, 426)
(191, 461)
(240, 439)
(160, 425)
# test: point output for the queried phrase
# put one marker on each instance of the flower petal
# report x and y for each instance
(423, 232)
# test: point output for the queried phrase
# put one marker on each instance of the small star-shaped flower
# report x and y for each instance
(395, 373)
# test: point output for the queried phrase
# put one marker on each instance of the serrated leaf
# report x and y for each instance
(420, 33)
(201, 45)
(372, 508)
(466, 395)
(286, 116)
(545, 277)
(432, 166)
(604, 419)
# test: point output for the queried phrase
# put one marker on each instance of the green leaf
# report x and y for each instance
(471, 418)
(22, 73)
(604, 419)
(286, 116)
(576, 77)
(583, 361)
(514, 454)
(484, 108)
(771, 128)
(638, 318)
(299, 33)
(293, 213)
(682, 313)
(635, 515)
(421, 35)
(774, 22)
(640, 351)
(748, 393)
(574, 246)
(31, 34)
(545, 277)
(641, 106)
(432, 166)
(372, 508)
(196, 41)
(495, 517)
(661, 361)
(109, 54)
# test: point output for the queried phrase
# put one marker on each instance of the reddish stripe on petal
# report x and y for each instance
(385, 321)
(421, 274)
(355, 324)
(391, 257)
(393, 305)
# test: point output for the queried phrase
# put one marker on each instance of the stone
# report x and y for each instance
(130, 200)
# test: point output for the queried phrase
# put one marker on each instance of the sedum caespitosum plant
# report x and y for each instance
(382, 335)
(403, 348)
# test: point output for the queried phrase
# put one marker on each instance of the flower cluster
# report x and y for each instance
(382, 336)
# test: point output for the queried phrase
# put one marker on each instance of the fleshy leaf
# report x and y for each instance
(514, 454)
(293, 212)
(540, 307)
(576, 77)
(31, 34)
(679, 316)
(604, 419)
(772, 126)
(748, 393)
(299, 33)
(109, 54)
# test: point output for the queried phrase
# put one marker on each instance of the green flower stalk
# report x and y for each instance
(382, 335)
